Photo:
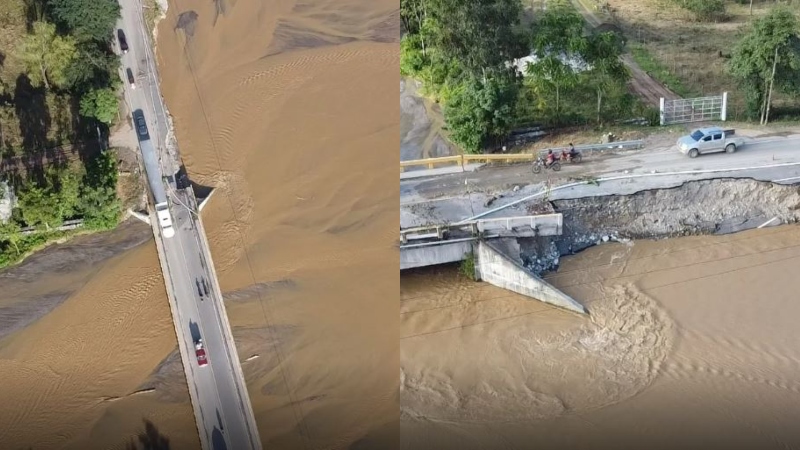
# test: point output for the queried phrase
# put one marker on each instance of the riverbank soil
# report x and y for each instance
(421, 125)
(690, 344)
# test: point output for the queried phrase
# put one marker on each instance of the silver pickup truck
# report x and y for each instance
(709, 140)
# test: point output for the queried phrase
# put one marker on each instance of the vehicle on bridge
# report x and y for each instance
(165, 219)
(153, 172)
(141, 125)
(123, 43)
(131, 78)
(200, 353)
(709, 140)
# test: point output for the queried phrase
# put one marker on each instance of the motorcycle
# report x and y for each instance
(539, 163)
(573, 157)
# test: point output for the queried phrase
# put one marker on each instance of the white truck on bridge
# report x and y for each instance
(153, 174)
(709, 140)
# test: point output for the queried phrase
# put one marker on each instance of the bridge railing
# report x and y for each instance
(509, 158)
(540, 225)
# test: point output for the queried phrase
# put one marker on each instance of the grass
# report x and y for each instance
(467, 267)
(688, 56)
(656, 69)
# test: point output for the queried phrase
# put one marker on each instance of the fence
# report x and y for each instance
(461, 160)
(68, 225)
(693, 109)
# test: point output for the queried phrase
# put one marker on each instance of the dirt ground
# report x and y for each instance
(690, 56)
(642, 84)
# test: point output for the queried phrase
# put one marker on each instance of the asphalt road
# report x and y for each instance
(219, 395)
(454, 197)
(756, 152)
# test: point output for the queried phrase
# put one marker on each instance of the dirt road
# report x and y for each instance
(641, 83)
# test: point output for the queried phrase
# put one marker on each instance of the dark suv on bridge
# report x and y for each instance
(141, 125)
(123, 43)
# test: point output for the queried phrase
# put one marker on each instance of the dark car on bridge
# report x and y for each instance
(141, 125)
(131, 78)
(123, 43)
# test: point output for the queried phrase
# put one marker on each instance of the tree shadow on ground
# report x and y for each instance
(34, 11)
(30, 104)
(6, 103)
(33, 113)
(149, 439)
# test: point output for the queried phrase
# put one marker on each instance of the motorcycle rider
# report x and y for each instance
(565, 155)
(550, 158)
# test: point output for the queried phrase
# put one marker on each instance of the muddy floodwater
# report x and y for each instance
(691, 343)
(288, 109)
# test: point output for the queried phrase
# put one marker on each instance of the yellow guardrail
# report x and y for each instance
(460, 160)
(511, 157)
(431, 162)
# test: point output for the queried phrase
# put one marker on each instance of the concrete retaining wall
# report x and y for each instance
(429, 255)
(539, 225)
(496, 263)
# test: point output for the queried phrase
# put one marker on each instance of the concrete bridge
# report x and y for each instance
(493, 245)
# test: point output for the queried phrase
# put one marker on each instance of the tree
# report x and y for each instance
(480, 111)
(607, 69)
(95, 66)
(412, 57)
(412, 14)
(67, 183)
(39, 206)
(102, 104)
(47, 55)
(99, 205)
(551, 74)
(767, 57)
(481, 34)
(560, 47)
(87, 19)
(10, 232)
(100, 208)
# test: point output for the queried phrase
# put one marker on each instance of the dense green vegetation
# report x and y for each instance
(59, 82)
(767, 58)
(461, 52)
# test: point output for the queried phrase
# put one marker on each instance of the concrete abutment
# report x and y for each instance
(496, 265)
(497, 262)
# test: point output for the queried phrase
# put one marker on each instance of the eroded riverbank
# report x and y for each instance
(703, 207)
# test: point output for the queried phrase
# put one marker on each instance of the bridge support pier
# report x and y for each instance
(144, 218)
(495, 265)
(204, 201)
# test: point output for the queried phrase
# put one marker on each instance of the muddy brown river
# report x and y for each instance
(692, 343)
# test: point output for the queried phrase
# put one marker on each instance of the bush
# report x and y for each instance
(705, 10)
(412, 60)
(467, 267)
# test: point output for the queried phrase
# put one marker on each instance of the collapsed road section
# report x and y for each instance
(715, 206)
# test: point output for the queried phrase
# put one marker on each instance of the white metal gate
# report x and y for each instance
(694, 109)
